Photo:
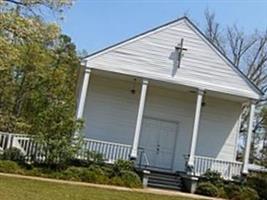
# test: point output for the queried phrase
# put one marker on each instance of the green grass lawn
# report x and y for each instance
(22, 189)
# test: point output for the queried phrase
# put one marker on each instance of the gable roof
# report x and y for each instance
(134, 37)
(194, 28)
(255, 87)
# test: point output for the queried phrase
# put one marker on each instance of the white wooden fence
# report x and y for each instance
(114, 151)
(32, 150)
(110, 151)
(227, 169)
(28, 147)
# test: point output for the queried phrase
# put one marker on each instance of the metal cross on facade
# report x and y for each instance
(179, 49)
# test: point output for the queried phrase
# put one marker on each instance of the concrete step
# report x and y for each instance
(165, 180)
(152, 181)
(164, 186)
(163, 177)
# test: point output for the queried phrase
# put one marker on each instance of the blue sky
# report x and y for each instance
(95, 24)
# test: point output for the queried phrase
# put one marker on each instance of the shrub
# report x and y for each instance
(13, 154)
(94, 174)
(213, 177)
(122, 165)
(258, 183)
(116, 180)
(8, 166)
(108, 170)
(102, 174)
(247, 193)
(222, 193)
(232, 190)
(207, 189)
(1, 153)
(34, 172)
(95, 158)
(130, 179)
(97, 169)
(71, 173)
(89, 176)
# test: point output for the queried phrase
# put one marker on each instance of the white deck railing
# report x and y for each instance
(4, 140)
(32, 150)
(227, 169)
(25, 143)
(110, 151)
(113, 151)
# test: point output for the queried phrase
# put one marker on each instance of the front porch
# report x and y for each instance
(114, 151)
(166, 121)
(164, 127)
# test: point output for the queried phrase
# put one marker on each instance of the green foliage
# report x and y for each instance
(8, 166)
(232, 190)
(130, 179)
(122, 165)
(95, 175)
(248, 193)
(71, 173)
(54, 105)
(238, 192)
(117, 180)
(259, 183)
(212, 177)
(227, 190)
(102, 174)
(13, 154)
(38, 75)
(221, 192)
(207, 189)
(35, 7)
(94, 158)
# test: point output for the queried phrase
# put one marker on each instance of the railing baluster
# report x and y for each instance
(110, 151)
(228, 169)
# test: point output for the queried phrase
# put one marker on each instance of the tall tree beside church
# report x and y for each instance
(248, 52)
(38, 75)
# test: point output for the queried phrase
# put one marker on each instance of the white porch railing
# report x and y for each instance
(4, 140)
(227, 169)
(22, 142)
(109, 150)
(32, 150)
(25, 143)
(114, 151)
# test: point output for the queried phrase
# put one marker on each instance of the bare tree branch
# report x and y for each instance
(238, 44)
(212, 31)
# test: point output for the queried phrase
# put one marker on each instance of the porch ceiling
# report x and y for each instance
(168, 85)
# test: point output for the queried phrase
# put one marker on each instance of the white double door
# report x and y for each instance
(158, 139)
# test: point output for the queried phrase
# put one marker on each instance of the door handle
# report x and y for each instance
(158, 148)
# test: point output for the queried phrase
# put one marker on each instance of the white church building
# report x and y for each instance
(169, 99)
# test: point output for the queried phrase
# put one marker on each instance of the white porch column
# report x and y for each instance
(83, 94)
(139, 119)
(249, 135)
(195, 127)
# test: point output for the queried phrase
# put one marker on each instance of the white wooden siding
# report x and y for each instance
(111, 109)
(152, 56)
